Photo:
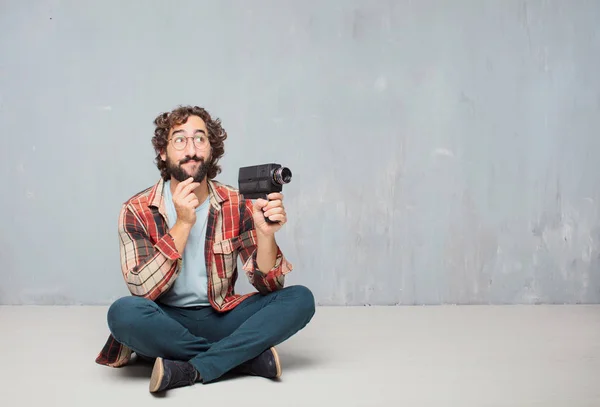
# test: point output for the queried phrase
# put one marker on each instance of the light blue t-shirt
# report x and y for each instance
(190, 287)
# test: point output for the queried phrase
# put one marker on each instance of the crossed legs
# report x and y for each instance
(214, 343)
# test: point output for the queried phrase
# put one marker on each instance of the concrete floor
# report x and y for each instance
(363, 356)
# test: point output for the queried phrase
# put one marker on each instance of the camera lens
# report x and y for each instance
(282, 175)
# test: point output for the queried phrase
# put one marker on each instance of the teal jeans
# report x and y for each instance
(215, 343)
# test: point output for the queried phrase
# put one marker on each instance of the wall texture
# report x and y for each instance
(441, 153)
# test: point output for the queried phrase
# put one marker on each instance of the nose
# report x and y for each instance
(190, 148)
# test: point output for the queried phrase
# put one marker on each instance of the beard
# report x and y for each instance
(176, 171)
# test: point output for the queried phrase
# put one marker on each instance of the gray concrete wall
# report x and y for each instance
(443, 152)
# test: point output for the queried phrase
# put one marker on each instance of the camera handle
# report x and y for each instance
(262, 196)
(269, 221)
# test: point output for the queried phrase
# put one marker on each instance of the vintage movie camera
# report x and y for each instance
(257, 181)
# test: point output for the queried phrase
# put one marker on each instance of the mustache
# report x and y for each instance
(194, 158)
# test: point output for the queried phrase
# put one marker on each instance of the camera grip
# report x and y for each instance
(261, 195)
(269, 221)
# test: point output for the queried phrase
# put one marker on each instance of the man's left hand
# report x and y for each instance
(273, 209)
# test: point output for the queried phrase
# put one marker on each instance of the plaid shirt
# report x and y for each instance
(150, 262)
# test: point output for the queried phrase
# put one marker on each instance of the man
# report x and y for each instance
(179, 243)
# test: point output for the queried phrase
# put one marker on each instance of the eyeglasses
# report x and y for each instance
(180, 142)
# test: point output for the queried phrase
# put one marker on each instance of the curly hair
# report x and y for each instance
(166, 121)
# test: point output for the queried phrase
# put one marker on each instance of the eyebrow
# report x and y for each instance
(181, 131)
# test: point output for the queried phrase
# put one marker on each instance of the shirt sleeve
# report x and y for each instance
(264, 281)
(148, 269)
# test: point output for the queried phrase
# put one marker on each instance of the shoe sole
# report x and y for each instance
(158, 371)
(276, 356)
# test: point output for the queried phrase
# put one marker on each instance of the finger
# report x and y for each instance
(274, 211)
(275, 195)
(182, 184)
(259, 204)
(188, 189)
(278, 218)
(187, 199)
(190, 198)
(274, 204)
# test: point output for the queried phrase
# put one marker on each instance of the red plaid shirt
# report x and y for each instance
(150, 261)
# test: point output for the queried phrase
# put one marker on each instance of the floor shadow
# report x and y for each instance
(295, 361)
(136, 371)
(229, 376)
(137, 368)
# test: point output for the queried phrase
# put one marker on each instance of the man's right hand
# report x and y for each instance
(186, 202)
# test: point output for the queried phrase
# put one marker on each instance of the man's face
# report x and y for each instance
(188, 150)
